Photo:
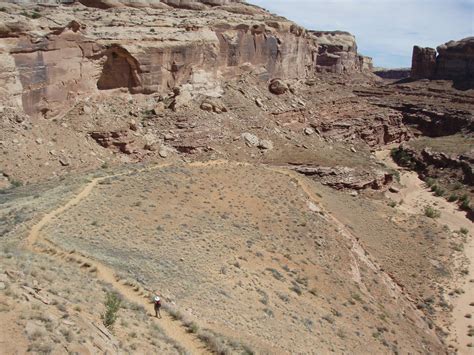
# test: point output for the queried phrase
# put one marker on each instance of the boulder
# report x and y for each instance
(278, 87)
(250, 139)
(265, 144)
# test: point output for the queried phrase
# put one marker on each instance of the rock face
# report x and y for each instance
(337, 53)
(423, 64)
(347, 178)
(452, 61)
(49, 66)
(456, 59)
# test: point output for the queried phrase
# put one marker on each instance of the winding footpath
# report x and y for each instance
(37, 243)
(416, 196)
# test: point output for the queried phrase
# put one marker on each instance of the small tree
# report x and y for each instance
(112, 306)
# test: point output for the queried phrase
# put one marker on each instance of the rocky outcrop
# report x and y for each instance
(337, 53)
(426, 161)
(346, 178)
(423, 64)
(452, 61)
(456, 60)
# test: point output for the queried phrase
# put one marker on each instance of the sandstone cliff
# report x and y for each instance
(452, 61)
(51, 61)
(337, 53)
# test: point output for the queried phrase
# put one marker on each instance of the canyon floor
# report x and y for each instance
(248, 257)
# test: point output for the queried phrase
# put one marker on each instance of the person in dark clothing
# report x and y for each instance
(157, 302)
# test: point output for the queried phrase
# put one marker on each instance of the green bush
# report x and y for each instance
(453, 197)
(112, 306)
(439, 191)
(402, 157)
(430, 182)
(432, 212)
(16, 183)
(466, 205)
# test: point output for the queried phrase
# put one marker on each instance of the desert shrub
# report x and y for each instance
(457, 185)
(296, 289)
(268, 312)
(439, 191)
(464, 231)
(33, 15)
(213, 342)
(402, 157)
(431, 212)
(191, 326)
(16, 183)
(466, 204)
(452, 198)
(3, 9)
(112, 306)
(430, 182)
(174, 313)
(276, 274)
(392, 204)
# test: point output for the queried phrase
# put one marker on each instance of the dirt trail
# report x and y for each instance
(172, 328)
(416, 195)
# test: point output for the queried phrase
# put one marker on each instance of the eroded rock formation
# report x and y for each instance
(423, 62)
(337, 53)
(49, 66)
(452, 61)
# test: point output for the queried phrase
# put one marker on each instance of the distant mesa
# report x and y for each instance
(392, 73)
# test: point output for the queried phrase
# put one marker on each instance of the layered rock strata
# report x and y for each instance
(453, 60)
(337, 53)
(53, 59)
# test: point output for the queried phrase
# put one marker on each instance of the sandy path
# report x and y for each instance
(416, 196)
(172, 328)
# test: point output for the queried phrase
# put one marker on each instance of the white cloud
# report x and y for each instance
(385, 29)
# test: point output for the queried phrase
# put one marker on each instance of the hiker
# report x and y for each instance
(157, 303)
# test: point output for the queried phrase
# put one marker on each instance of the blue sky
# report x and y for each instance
(385, 29)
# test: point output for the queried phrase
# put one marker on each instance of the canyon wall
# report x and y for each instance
(451, 61)
(48, 67)
(337, 53)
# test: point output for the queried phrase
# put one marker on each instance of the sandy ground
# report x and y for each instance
(416, 196)
(173, 329)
